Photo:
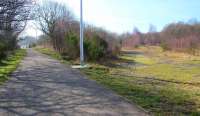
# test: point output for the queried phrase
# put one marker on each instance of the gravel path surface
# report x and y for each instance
(42, 86)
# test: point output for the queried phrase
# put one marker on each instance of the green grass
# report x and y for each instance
(167, 84)
(159, 98)
(9, 64)
(53, 54)
(170, 72)
(50, 52)
(140, 59)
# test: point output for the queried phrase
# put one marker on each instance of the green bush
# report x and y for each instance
(2, 50)
(95, 48)
(72, 46)
(165, 46)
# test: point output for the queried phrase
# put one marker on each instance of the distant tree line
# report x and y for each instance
(13, 18)
(182, 37)
(61, 32)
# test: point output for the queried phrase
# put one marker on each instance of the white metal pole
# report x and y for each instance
(81, 34)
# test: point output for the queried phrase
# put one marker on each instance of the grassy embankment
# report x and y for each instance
(9, 64)
(53, 54)
(164, 83)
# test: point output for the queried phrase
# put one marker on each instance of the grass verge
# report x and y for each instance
(53, 54)
(8, 65)
(158, 98)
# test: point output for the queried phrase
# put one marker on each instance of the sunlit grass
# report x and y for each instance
(9, 64)
(168, 84)
(140, 59)
(160, 98)
(169, 72)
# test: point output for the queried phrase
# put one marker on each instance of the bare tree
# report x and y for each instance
(14, 14)
(13, 18)
(54, 19)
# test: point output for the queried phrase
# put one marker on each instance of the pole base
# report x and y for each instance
(79, 66)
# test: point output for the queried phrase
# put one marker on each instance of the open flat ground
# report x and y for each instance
(164, 83)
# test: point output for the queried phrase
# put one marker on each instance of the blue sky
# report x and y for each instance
(123, 15)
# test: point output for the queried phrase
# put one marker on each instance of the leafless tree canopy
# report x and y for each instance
(54, 20)
(14, 15)
(13, 18)
(50, 14)
(183, 37)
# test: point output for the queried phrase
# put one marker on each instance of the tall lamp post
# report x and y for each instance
(81, 34)
(82, 64)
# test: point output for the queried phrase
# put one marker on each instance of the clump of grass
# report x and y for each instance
(9, 64)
